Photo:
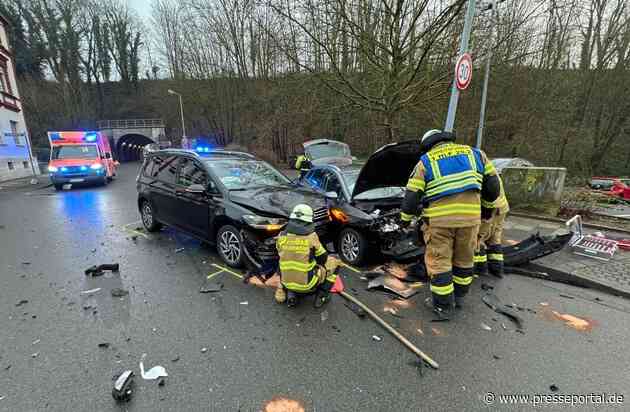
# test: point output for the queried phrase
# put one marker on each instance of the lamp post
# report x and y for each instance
(181, 109)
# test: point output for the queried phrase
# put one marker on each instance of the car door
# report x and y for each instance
(193, 208)
(163, 177)
(332, 184)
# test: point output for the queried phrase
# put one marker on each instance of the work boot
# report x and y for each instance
(443, 312)
(459, 302)
(321, 298)
(292, 299)
(280, 295)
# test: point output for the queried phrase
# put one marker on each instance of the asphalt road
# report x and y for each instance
(50, 358)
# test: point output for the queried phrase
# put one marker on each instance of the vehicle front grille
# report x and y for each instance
(321, 215)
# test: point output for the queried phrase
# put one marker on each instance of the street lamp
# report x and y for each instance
(181, 109)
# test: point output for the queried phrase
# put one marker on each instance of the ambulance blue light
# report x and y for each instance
(83, 167)
(64, 169)
(90, 137)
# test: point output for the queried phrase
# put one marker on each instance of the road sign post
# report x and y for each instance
(463, 48)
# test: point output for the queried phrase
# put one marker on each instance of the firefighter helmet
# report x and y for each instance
(302, 212)
(435, 136)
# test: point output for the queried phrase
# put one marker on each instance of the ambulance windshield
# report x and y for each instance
(78, 151)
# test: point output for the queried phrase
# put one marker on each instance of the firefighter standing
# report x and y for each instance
(449, 181)
(304, 263)
(489, 254)
(303, 164)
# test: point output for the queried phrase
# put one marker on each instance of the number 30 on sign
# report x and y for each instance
(463, 71)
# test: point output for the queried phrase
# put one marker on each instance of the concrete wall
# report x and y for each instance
(537, 189)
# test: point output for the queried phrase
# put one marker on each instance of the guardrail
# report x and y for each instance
(129, 123)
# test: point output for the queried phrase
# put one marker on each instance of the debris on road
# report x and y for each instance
(210, 287)
(180, 250)
(21, 302)
(493, 302)
(437, 331)
(153, 373)
(34, 355)
(35, 342)
(98, 270)
(496, 357)
(122, 387)
(161, 382)
(204, 350)
(324, 316)
(175, 359)
(356, 309)
(244, 303)
(553, 388)
(574, 322)
(484, 326)
(119, 293)
(104, 345)
(89, 292)
(486, 287)
(377, 338)
(566, 296)
(390, 283)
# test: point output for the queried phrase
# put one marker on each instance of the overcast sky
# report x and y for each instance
(143, 7)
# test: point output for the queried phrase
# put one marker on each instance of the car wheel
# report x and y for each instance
(352, 246)
(229, 246)
(58, 187)
(148, 217)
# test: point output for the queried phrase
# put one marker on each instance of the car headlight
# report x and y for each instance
(53, 169)
(96, 166)
(339, 215)
(270, 224)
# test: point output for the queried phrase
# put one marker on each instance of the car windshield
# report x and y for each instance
(380, 193)
(327, 149)
(239, 174)
(77, 151)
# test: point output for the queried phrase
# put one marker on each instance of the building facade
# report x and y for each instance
(16, 159)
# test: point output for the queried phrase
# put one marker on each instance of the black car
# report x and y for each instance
(366, 203)
(214, 196)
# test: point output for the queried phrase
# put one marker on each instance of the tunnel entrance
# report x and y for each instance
(129, 147)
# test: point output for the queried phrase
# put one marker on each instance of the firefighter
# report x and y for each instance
(303, 164)
(446, 188)
(489, 254)
(304, 263)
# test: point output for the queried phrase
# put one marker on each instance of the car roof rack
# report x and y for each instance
(216, 152)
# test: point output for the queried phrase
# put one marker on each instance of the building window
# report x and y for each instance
(25, 164)
(10, 164)
(14, 132)
(3, 87)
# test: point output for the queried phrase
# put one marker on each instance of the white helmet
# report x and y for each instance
(302, 212)
(429, 134)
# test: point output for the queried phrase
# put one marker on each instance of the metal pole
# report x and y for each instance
(181, 109)
(463, 48)
(484, 95)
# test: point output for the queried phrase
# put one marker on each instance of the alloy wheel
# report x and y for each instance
(230, 247)
(350, 246)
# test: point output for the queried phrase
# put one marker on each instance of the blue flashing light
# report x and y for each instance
(83, 168)
(90, 137)
(203, 149)
(64, 169)
(55, 136)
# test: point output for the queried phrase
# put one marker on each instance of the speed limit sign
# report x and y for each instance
(463, 71)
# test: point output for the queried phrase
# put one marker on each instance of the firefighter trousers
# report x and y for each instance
(449, 261)
(489, 253)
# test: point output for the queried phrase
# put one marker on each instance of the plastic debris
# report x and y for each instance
(485, 327)
(180, 250)
(324, 316)
(118, 292)
(35, 342)
(122, 387)
(153, 373)
(89, 292)
(553, 388)
(98, 270)
(376, 338)
(104, 345)
(493, 302)
(496, 357)
(175, 359)
(204, 350)
(34, 355)
(244, 303)
(211, 287)
(392, 284)
(22, 302)
(161, 382)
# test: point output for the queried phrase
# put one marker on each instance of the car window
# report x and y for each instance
(246, 174)
(315, 179)
(148, 167)
(191, 173)
(332, 183)
(78, 151)
(164, 168)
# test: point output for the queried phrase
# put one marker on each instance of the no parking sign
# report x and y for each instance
(463, 71)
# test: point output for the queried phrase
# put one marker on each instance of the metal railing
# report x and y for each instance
(129, 123)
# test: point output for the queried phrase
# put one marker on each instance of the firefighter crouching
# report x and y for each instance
(304, 263)
(303, 164)
(489, 253)
(449, 182)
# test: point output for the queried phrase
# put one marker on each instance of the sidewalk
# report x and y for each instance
(612, 274)
(22, 183)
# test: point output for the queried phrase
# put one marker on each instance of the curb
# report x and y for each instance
(558, 220)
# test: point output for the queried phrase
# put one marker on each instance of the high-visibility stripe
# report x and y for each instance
(299, 266)
(453, 209)
(480, 258)
(331, 278)
(320, 251)
(453, 177)
(489, 168)
(416, 185)
(405, 217)
(298, 287)
(443, 290)
(455, 185)
(463, 281)
(496, 257)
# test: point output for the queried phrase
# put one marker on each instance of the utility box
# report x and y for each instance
(536, 189)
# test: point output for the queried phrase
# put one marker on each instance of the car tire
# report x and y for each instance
(352, 246)
(229, 246)
(58, 187)
(147, 215)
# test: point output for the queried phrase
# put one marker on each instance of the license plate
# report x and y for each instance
(75, 180)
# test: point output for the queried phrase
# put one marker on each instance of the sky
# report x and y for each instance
(143, 7)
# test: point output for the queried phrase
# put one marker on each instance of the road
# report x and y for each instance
(50, 358)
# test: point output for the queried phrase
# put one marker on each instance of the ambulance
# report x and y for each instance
(80, 157)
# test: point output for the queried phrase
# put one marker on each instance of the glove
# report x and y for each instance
(486, 213)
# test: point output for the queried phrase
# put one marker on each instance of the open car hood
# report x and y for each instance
(327, 151)
(389, 166)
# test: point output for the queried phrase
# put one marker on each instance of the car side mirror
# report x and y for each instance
(196, 188)
(212, 188)
(331, 195)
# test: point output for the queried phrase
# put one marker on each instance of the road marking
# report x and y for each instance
(224, 269)
(133, 231)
